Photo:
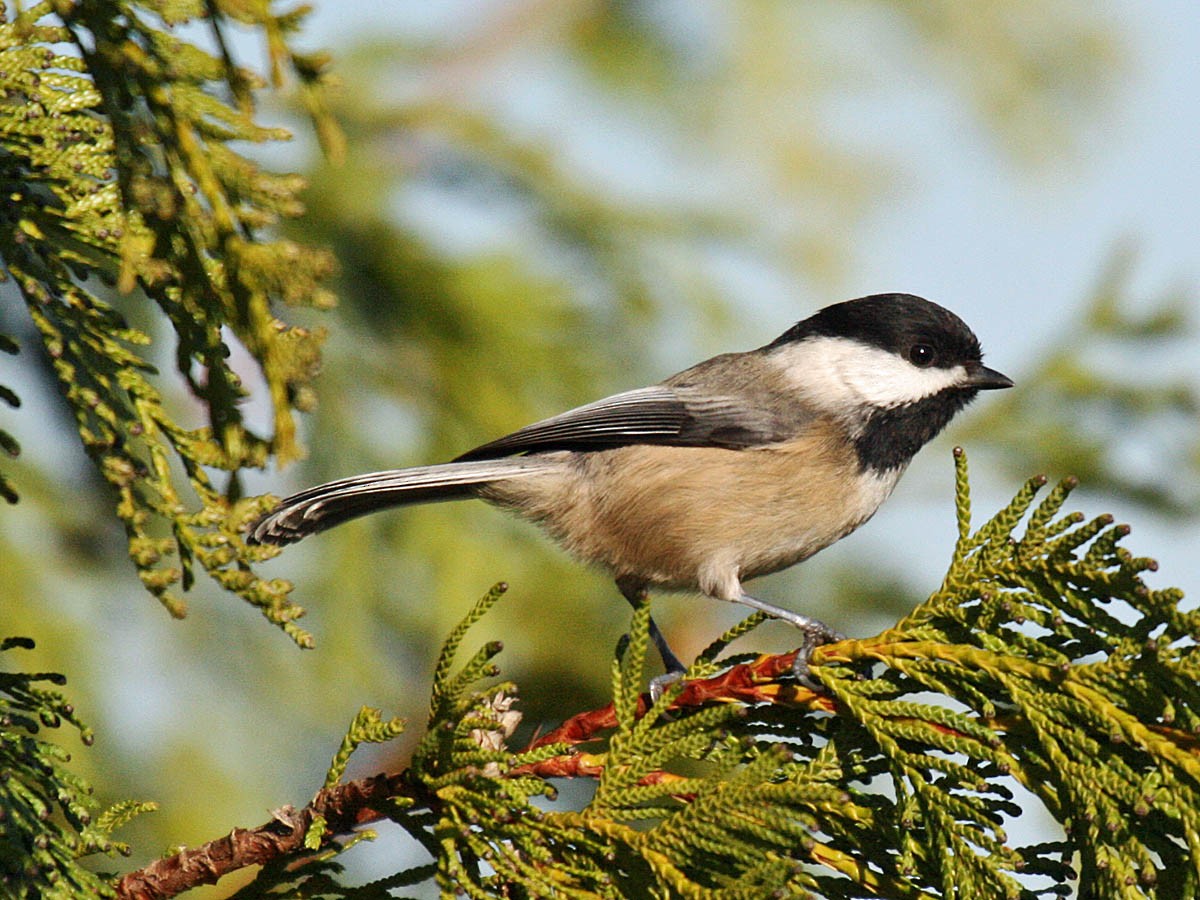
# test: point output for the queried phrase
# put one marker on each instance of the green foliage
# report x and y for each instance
(368, 727)
(1043, 669)
(1032, 69)
(1070, 677)
(46, 811)
(117, 156)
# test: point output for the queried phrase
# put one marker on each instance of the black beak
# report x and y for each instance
(982, 378)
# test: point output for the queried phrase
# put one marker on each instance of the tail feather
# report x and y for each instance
(336, 502)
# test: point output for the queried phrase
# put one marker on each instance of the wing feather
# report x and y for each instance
(682, 415)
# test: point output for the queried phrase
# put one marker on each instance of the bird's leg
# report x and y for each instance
(636, 594)
(815, 633)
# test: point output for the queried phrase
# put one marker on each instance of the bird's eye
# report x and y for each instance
(921, 356)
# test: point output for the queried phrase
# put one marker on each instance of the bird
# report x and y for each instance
(742, 465)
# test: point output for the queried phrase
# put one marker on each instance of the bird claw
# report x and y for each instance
(815, 635)
(660, 683)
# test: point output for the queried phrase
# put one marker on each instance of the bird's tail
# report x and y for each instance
(332, 504)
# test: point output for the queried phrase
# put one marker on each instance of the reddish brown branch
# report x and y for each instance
(343, 807)
(349, 805)
(750, 683)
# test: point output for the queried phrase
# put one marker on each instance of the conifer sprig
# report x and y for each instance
(117, 152)
(48, 816)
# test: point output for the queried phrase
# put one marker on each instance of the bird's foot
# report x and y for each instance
(636, 594)
(660, 683)
(675, 669)
(815, 634)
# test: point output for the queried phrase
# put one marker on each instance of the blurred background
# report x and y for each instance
(545, 201)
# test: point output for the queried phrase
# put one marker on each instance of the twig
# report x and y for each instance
(351, 804)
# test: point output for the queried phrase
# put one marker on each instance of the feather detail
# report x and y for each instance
(331, 504)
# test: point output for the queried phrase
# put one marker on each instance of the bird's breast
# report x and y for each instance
(703, 517)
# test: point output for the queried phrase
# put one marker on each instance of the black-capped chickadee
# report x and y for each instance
(742, 465)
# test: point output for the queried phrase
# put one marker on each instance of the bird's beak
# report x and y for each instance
(984, 379)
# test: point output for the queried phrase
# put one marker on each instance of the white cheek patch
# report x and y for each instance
(835, 374)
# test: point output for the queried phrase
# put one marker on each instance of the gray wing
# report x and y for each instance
(683, 411)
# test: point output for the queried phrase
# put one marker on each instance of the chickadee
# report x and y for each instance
(742, 465)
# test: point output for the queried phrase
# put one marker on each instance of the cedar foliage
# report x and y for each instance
(47, 819)
(120, 171)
